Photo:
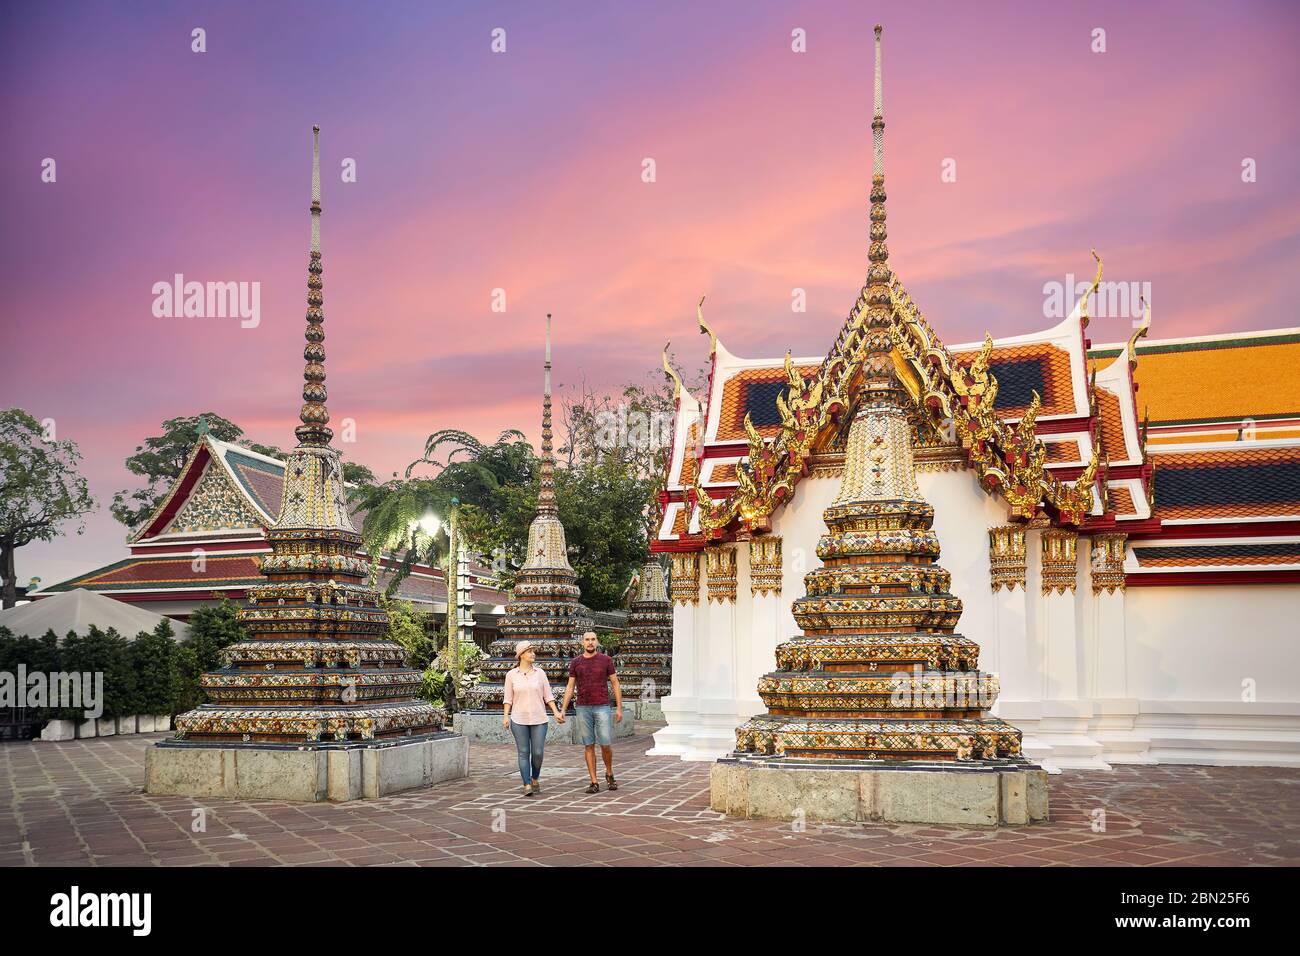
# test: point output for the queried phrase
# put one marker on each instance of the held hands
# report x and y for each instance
(559, 717)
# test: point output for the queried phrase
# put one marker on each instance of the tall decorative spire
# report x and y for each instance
(546, 497)
(314, 430)
(878, 343)
(318, 669)
(880, 601)
(878, 120)
(545, 606)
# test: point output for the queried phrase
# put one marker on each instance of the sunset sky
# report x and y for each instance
(523, 171)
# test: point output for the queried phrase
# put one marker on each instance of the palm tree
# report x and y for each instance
(399, 513)
(479, 453)
(400, 520)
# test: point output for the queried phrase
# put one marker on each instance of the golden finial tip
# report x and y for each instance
(878, 29)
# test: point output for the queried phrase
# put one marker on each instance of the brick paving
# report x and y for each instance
(81, 803)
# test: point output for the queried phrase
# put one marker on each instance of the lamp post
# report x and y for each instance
(453, 594)
(431, 525)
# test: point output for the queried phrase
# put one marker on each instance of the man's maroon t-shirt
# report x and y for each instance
(592, 676)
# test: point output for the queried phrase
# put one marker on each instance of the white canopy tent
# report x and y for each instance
(77, 610)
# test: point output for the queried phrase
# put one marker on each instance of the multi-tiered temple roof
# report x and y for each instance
(318, 668)
(206, 539)
(546, 608)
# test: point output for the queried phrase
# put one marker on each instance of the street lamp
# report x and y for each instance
(453, 595)
(430, 524)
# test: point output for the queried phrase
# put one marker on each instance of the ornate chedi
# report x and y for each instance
(546, 609)
(645, 655)
(318, 669)
(879, 673)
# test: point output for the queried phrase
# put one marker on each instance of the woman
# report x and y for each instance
(528, 692)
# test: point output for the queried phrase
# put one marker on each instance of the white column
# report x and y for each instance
(681, 706)
(1015, 660)
(1115, 712)
(719, 669)
(1066, 714)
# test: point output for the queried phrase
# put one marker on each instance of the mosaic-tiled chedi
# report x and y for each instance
(318, 669)
(645, 655)
(879, 673)
(545, 608)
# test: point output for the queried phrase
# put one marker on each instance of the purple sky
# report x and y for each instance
(522, 171)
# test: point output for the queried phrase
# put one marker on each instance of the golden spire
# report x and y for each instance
(546, 497)
(314, 430)
(878, 341)
(878, 119)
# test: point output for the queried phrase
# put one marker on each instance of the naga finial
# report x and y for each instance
(672, 373)
(1082, 307)
(1140, 332)
(704, 327)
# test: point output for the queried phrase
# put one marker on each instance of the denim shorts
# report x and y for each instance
(596, 724)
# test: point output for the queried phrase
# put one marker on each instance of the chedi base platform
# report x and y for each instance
(337, 773)
(989, 794)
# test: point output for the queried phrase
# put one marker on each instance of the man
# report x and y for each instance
(589, 672)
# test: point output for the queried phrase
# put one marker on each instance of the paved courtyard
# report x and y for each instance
(81, 803)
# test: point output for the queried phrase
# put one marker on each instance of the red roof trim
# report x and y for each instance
(1225, 529)
(1196, 578)
(182, 493)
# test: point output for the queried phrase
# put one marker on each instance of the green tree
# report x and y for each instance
(36, 654)
(105, 652)
(160, 460)
(397, 523)
(482, 478)
(155, 658)
(602, 506)
(40, 489)
(415, 630)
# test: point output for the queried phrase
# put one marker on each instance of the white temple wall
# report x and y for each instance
(1221, 636)
(1143, 675)
(1189, 651)
(963, 515)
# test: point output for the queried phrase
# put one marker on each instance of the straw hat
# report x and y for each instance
(521, 647)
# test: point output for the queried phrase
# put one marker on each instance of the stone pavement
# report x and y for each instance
(80, 803)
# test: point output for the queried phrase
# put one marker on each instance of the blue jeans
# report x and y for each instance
(530, 743)
(596, 722)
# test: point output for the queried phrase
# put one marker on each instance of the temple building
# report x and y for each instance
(645, 654)
(1120, 522)
(545, 608)
(204, 541)
(317, 703)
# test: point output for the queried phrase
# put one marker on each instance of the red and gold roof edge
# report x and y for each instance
(1009, 459)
